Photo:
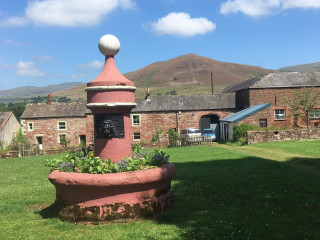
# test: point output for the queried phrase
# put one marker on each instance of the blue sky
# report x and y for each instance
(48, 42)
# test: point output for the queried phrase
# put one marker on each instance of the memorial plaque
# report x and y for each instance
(109, 125)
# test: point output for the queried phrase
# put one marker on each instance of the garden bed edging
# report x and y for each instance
(113, 196)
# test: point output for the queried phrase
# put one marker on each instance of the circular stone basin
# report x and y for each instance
(113, 196)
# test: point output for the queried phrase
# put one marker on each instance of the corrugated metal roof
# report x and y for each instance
(277, 80)
(238, 116)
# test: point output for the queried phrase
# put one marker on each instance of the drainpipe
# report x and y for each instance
(177, 121)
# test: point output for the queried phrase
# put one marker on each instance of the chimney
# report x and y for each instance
(49, 100)
(148, 95)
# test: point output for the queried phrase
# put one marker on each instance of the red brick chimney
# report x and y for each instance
(49, 100)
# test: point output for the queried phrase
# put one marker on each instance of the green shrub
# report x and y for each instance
(84, 161)
(239, 131)
(173, 137)
(136, 148)
(156, 136)
(20, 138)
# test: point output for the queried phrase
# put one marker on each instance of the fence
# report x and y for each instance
(26, 150)
(178, 142)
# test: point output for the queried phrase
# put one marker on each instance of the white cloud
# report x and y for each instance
(256, 8)
(14, 42)
(6, 66)
(43, 58)
(93, 65)
(28, 69)
(301, 4)
(67, 13)
(181, 24)
(13, 21)
(249, 7)
(80, 75)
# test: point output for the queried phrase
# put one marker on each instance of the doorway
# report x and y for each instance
(82, 140)
(210, 121)
(39, 142)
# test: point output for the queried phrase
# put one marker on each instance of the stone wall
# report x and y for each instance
(276, 97)
(163, 121)
(282, 135)
(47, 128)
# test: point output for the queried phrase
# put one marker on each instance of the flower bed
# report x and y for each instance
(89, 189)
(84, 161)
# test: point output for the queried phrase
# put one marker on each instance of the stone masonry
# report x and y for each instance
(47, 128)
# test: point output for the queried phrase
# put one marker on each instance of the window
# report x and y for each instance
(136, 136)
(30, 126)
(263, 123)
(280, 114)
(315, 114)
(62, 138)
(62, 125)
(135, 118)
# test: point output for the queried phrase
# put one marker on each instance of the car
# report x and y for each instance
(191, 135)
(209, 135)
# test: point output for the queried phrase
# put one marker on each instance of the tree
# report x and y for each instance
(173, 92)
(64, 99)
(304, 100)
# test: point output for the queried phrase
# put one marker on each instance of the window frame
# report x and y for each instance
(136, 139)
(277, 114)
(316, 112)
(59, 137)
(133, 124)
(263, 121)
(65, 125)
(32, 128)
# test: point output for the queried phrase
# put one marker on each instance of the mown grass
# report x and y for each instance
(219, 193)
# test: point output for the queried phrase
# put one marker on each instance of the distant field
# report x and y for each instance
(80, 93)
(262, 191)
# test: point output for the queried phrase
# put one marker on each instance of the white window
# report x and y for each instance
(280, 114)
(315, 114)
(136, 119)
(62, 125)
(62, 138)
(136, 136)
(263, 122)
(30, 126)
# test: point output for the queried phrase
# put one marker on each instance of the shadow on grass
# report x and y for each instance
(310, 164)
(248, 198)
(47, 212)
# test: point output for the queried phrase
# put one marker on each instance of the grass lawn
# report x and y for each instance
(262, 191)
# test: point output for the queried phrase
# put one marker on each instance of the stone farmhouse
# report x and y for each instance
(259, 101)
(273, 89)
(49, 124)
(9, 126)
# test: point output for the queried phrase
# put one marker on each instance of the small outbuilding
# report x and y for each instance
(9, 126)
(227, 123)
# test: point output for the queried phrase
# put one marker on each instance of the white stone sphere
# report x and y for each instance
(109, 45)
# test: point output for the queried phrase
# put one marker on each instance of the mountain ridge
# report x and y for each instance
(185, 74)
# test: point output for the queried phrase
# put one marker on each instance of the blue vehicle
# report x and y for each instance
(209, 135)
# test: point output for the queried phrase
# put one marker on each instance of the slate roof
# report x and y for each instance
(54, 110)
(245, 113)
(4, 117)
(186, 103)
(275, 80)
(155, 104)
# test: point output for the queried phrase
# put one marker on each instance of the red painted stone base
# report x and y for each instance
(82, 197)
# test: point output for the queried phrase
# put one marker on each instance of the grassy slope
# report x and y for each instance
(220, 193)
